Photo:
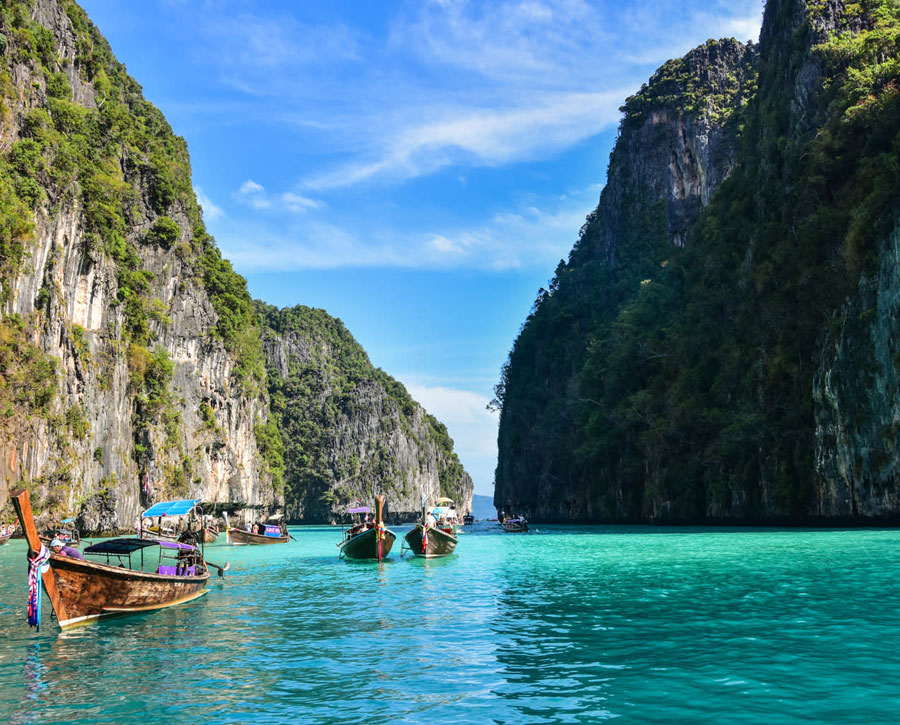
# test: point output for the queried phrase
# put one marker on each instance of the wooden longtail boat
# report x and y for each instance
(468, 520)
(368, 543)
(81, 590)
(175, 518)
(438, 543)
(210, 534)
(427, 541)
(272, 535)
(3, 539)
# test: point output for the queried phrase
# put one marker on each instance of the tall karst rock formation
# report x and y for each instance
(722, 343)
(350, 430)
(131, 360)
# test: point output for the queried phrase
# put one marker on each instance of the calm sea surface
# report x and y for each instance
(564, 624)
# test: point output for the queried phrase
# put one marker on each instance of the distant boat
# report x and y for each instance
(271, 534)
(81, 590)
(516, 525)
(372, 541)
(446, 517)
(3, 539)
(468, 520)
(65, 532)
(428, 541)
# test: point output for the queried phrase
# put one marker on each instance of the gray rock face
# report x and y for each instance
(66, 292)
(857, 397)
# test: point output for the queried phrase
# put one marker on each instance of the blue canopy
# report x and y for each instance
(171, 508)
(68, 521)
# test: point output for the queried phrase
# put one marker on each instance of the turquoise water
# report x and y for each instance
(565, 624)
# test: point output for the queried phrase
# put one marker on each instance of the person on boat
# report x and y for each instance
(255, 529)
(430, 520)
(57, 547)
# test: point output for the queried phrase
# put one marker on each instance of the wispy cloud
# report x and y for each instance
(535, 233)
(256, 196)
(488, 137)
(458, 83)
(211, 212)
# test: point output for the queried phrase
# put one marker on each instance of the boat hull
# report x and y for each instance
(365, 545)
(246, 537)
(440, 543)
(90, 590)
(3, 540)
(210, 536)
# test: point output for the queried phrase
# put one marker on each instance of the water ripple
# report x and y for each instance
(570, 624)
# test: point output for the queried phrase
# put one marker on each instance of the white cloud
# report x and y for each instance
(488, 137)
(537, 233)
(251, 187)
(458, 83)
(211, 212)
(296, 203)
(258, 197)
(471, 426)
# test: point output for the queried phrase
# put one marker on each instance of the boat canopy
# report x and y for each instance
(176, 545)
(444, 499)
(68, 521)
(441, 510)
(359, 510)
(171, 508)
(120, 546)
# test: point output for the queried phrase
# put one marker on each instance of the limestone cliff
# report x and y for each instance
(350, 431)
(131, 359)
(112, 294)
(722, 344)
(677, 143)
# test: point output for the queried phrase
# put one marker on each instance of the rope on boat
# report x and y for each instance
(35, 567)
(424, 538)
(379, 535)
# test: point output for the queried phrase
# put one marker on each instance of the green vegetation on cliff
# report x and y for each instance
(340, 417)
(116, 157)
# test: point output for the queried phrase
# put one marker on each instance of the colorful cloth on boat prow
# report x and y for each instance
(35, 568)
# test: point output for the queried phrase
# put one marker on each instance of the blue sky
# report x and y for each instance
(417, 169)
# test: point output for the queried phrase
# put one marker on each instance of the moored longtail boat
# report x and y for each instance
(173, 512)
(272, 534)
(373, 542)
(210, 531)
(3, 539)
(81, 590)
(429, 542)
(65, 532)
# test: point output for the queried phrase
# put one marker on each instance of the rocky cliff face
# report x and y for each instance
(119, 312)
(131, 357)
(350, 431)
(677, 144)
(750, 376)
